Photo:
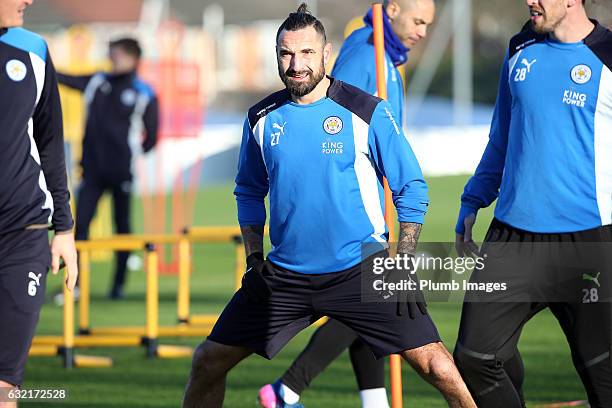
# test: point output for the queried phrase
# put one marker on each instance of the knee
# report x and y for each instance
(206, 363)
(440, 369)
(434, 363)
(476, 371)
(597, 379)
(466, 363)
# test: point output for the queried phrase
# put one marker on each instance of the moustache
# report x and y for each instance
(291, 72)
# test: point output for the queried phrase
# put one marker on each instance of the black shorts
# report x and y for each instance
(571, 274)
(25, 258)
(298, 300)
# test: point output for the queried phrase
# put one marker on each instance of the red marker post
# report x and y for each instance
(381, 84)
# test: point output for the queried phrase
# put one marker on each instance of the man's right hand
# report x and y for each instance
(253, 282)
(464, 243)
(64, 248)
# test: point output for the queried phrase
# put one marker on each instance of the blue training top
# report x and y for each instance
(356, 65)
(549, 157)
(323, 165)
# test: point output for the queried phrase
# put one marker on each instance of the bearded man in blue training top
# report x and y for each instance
(320, 149)
(405, 23)
(549, 165)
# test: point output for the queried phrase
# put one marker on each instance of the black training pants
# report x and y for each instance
(88, 196)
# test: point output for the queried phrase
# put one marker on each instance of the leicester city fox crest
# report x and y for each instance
(16, 70)
(332, 125)
(581, 74)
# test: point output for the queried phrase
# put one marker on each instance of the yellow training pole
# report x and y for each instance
(379, 48)
(84, 287)
(182, 296)
(68, 346)
(152, 324)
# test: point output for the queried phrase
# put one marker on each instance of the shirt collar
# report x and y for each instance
(598, 32)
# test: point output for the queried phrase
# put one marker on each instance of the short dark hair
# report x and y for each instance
(302, 18)
(129, 45)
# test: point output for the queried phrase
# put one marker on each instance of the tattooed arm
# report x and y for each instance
(252, 236)
(408, 237)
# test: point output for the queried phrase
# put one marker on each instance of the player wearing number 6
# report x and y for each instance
(549, 165)
(33, 188)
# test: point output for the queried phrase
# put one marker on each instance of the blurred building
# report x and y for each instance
(210, 60)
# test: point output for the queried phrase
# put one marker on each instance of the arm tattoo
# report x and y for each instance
(252, 236)
(408, 237)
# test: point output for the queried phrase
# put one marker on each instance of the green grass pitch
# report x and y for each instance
(134, 381)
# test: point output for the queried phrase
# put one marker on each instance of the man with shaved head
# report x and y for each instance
(405, 24)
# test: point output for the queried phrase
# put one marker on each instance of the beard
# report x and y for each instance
(549, 22)
(302, 88)
(545, 27)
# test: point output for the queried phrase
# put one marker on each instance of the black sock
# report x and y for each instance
(369, 372)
